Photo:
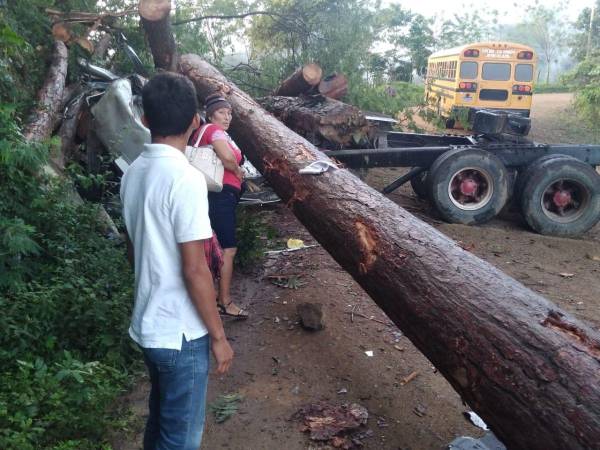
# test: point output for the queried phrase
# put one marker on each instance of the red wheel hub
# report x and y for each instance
(468, 187)
(562, 198)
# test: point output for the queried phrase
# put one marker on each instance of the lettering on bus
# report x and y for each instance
(501, 53)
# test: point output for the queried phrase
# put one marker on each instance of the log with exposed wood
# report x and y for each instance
(154, 16)
(42, 120)
(530, 370)
(334, 86)
(301, 81)
(325, 122)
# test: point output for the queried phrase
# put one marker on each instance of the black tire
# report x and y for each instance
(561, 197)
(419, 185)
(525, 173)
(458, 169)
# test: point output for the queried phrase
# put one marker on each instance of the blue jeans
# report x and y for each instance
(178, 396)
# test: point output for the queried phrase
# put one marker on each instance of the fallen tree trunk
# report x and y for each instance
(325, 122)
(44, 117)
(334, 86)
(530, 370)
(301, 81)
(42, 120)
(154, 16)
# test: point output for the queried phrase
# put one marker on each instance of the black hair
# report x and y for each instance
(170, 104)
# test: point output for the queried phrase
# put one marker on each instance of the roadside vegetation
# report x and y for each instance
(65, 285)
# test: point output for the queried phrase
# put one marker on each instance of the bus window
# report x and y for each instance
(468, 70)
(496, 71)
(523, 72)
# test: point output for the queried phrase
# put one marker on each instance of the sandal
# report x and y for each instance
(242, 314)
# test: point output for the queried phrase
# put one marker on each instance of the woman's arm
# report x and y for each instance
(227, 157)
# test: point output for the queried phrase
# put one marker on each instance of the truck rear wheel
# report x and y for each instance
(561, 197)
(525, 172)
(468, 186)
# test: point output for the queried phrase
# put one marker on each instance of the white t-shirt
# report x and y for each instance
(164, 203)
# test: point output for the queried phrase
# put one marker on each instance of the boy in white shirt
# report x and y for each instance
(175, 318)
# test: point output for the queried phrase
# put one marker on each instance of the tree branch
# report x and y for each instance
(230, 17)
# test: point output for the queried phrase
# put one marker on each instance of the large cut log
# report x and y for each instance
(44, 117)
(154, 16)
(325, 122)
(301, 81)
(49, 99)
(334, 86)
(530, 370)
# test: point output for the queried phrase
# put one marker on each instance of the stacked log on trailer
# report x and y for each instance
(325, 122)
(301, 81)
(529, 369)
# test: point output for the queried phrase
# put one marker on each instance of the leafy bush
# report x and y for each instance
(586, 79)
(388, 99)
(65, 295)
(543, 88)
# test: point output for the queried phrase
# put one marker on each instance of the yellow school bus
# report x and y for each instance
(484, 75)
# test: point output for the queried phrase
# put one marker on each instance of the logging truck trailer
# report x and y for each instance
(469, 179)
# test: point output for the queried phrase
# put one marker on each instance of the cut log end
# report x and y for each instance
(154, 10)
(312, 74)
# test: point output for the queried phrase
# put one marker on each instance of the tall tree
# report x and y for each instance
(585, 40)
(545, 29)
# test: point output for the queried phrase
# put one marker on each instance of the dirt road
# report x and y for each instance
(279, 367)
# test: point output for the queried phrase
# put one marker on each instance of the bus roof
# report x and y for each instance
(458, 50)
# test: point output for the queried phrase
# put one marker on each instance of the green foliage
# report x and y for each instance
(543, 88)
(583, 37)
(225, 406)
(388, 99)
(586, 79)
(65, 294)
(253, 233)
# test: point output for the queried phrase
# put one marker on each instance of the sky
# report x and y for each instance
(510, 11)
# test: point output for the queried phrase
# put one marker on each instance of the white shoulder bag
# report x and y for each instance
(205, 159)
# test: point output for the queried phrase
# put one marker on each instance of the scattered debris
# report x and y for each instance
(420, 410)
(311, 316)
(296, 390)
(488, 442)
(354, 313)
(287, 281)
(593, 257)
(288, 250)
(566, 275)
(400, 349)
(407, 379)
(225, 406)
(341, 426)
(476, 420)
(369, 353)
(382, 422)
(342, 391)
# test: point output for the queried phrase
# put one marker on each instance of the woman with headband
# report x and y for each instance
(222, 205)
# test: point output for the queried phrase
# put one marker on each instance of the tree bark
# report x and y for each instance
(154, 16)
(334, 86)
(325, 122)
(49, 100)
(301, 81)
(530, 370)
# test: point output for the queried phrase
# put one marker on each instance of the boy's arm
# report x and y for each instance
(200, 287)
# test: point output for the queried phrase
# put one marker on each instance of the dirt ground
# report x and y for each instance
(279, 367)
